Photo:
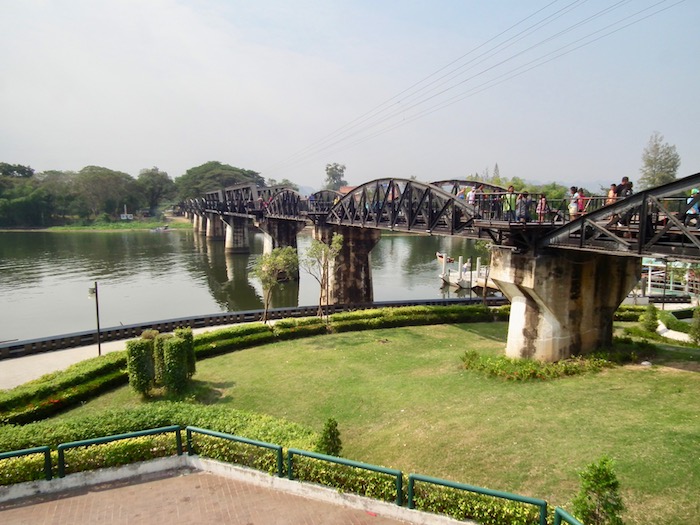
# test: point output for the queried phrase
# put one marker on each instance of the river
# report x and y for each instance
(144, 276)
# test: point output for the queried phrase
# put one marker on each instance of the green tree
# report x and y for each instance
(316, 262)
(329, 443)
(155, 186)
(599, 501)
(211, 176)
(271, 268)
(15, 170)
(660, 162)
(650, 319)
(106, 191)
(695, 327)
(335, 174)
(62, 195)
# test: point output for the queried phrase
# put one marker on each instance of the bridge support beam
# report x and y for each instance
(200, 224)
(279, 233)
(561, 304)
(351, 275)
(237, 236)
(215, 227)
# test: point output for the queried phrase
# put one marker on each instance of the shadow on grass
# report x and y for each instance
(202, 392)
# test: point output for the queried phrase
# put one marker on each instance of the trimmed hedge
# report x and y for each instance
(48, 385)
(153, 415)
(461, 505)
(175, 365)
(139, 365)
(63, 398)
(286, 329)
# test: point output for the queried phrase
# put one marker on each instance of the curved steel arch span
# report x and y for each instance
(651, 223)
(286, 204)
(455, 185)
(404, 205)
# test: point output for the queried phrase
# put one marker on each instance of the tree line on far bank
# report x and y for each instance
(29, 199)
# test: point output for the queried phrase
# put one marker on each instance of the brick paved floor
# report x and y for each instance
(190, 498)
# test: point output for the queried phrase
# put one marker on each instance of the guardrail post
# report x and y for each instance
(61, 463)
(178, 441)
(47, 464)
(190, 449)
(290, 464)
(280, 463)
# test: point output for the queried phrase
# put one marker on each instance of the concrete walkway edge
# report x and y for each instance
(179, 464)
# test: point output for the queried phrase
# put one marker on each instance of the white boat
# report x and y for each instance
(463, 276)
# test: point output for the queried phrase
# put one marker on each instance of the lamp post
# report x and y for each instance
(93, 292)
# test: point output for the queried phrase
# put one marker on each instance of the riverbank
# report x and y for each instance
(171, 222)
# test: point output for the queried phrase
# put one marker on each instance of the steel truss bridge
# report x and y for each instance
(650, 223)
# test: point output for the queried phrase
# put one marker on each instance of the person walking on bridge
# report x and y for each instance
(509, 200)
(694, 211)
(573, 203)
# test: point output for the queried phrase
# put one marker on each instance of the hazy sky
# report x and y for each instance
(567, 91)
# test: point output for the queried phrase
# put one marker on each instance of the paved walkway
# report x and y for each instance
(19, 370)
(191, 498)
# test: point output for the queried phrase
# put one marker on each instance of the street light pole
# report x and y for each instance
(93, 291)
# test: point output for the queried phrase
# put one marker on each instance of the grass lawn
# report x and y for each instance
(402, 400)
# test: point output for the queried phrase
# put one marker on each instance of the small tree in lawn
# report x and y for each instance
(316, 263)
(599, 501)
(650, 319)
(271, 268)
(329, 443)
(695, 326)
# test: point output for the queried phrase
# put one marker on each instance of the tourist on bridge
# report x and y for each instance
(509, 200)
(694, 211)
(573, 203)
(612, 195)
(624, 189)
(522, 207)
(582, 201)
(471, 196)
(542, 209)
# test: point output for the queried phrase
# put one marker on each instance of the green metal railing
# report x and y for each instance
(107, 439)
(412, 478)
(348, 463)
(277, 448)
(561, 515)
(46, 451)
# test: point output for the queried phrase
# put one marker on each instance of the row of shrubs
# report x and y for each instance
(54, 392)
(430, 498)
(161, 360)
(624, 350)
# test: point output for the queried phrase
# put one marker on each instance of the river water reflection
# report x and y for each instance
(145, 276)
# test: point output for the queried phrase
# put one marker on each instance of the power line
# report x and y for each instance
(350, 134)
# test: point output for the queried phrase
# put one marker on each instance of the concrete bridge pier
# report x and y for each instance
(237, 236)
(215, 227)
(562, 304)
(201, 224)
(279, 233)
(351, 275)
